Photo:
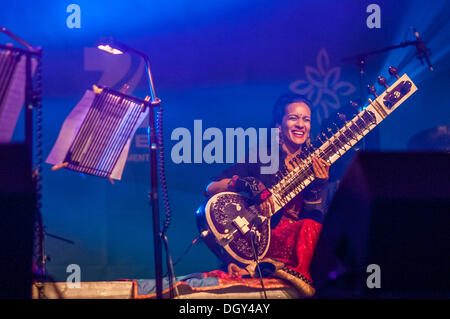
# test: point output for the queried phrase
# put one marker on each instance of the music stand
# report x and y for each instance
(110, 122)
(115, 47)
(108, 125)
(17, 66)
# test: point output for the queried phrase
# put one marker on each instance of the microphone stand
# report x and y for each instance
(32, 102)
(364, 55)
(361, 59)
(153, 148)
(152, 141)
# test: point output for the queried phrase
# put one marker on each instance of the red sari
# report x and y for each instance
(293, 242)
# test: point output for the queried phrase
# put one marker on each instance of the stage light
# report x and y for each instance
(115, 47)
(109, 49)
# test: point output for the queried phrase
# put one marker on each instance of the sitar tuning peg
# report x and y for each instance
(336, 126)
(342, 117)
(320, 140)
(393, 71)
(354, 104)
(382, 81)
(372, 90)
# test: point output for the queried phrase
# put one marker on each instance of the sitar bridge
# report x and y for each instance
(242, 224)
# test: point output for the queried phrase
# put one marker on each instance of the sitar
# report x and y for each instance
(232, 226)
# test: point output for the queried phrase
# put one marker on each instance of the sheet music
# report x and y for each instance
(118, 169)
(71, 127)
(15, 98)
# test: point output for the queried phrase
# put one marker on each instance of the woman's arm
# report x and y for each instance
(218, 187)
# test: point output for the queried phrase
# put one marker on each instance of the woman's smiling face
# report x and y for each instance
(296, 125)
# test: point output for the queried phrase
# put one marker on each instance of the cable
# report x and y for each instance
(39, 245)
(186, 251)
(170, 270)
(162, 174)
(255, 254)
(163, 183)
(171, 265)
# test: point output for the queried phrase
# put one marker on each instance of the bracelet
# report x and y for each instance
(265, 194)
(232, 183)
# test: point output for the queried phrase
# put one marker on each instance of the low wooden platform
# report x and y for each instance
(88, 290)
(125, 290)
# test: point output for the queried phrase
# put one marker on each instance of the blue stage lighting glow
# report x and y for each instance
(433, 26)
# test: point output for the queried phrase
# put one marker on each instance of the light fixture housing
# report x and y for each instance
(113, 46)
(109, 49)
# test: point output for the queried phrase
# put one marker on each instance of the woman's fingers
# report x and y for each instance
(267, 207)
(272, 206)
(321, 167)
(316, 168)
(264, 208)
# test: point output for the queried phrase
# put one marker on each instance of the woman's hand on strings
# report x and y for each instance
(267, 208)
(321, 168)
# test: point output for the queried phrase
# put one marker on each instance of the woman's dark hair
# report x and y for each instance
(279, 109)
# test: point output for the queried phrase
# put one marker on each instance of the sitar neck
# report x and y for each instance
(293, 182)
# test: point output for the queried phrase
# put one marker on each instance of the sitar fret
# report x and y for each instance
(293, 182)
(299, 178)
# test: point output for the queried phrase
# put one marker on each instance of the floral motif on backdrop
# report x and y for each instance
(322, 87)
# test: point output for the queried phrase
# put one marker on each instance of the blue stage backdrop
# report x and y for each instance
(221, 62)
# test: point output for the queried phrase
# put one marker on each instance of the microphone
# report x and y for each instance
(422, 51)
